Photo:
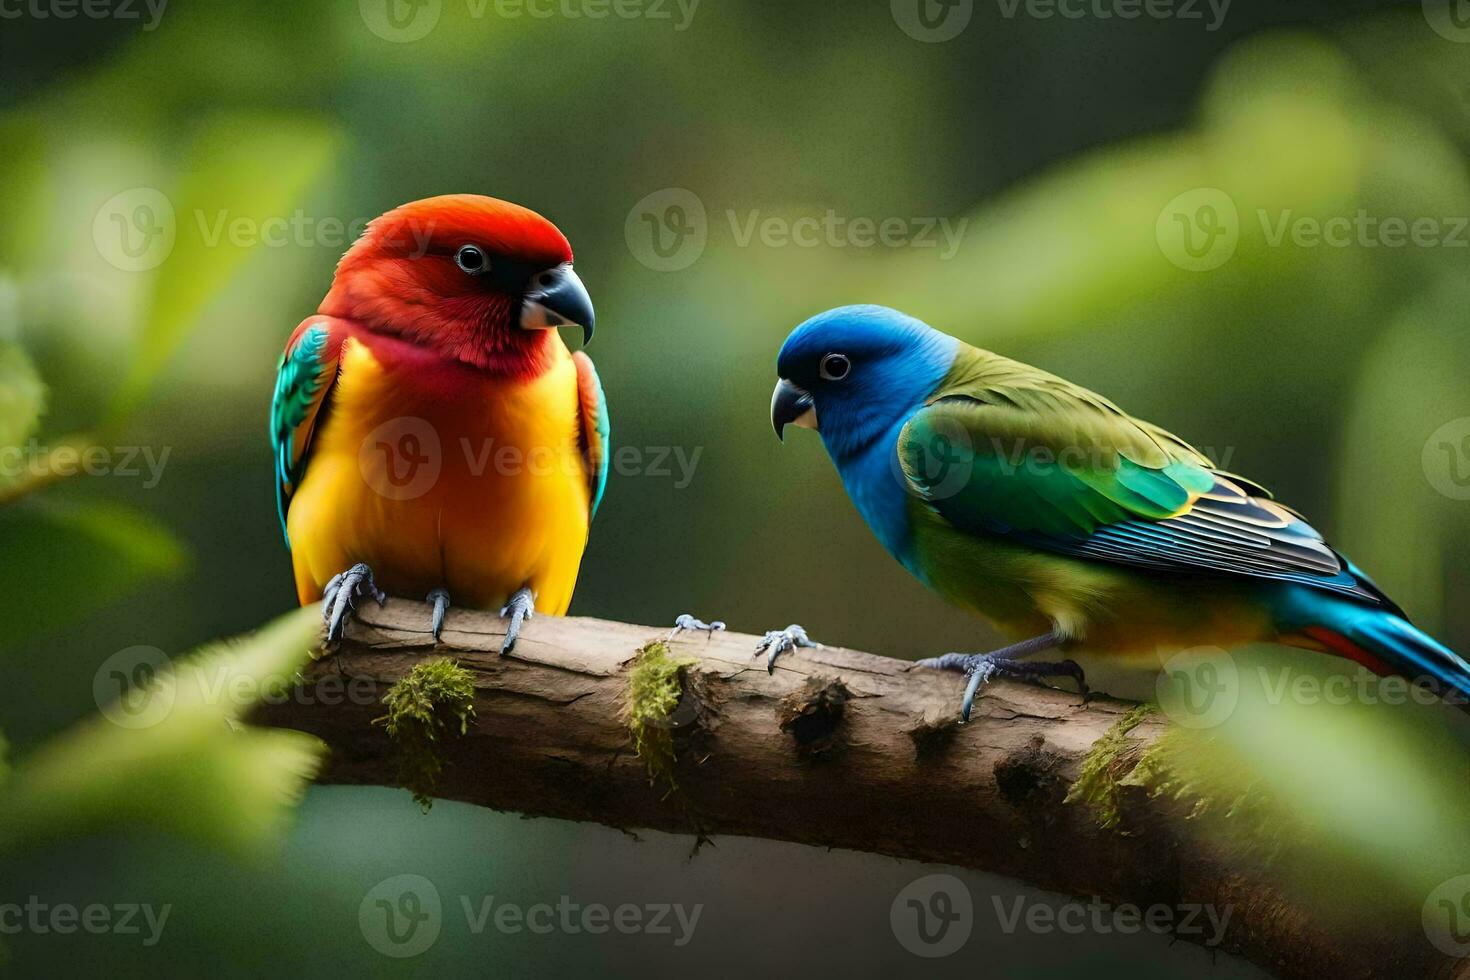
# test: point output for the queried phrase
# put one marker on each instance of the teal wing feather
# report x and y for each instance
(596, 430)
(304, 380)
(1005, 449)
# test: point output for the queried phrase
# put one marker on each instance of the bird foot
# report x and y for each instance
(440, 599)
(688, 622)
(981, 667)
(521, 607)
(340, 597)
(776, 642)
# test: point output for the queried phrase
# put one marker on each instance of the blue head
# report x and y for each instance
(855, 372)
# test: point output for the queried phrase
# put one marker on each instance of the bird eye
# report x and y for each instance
(835, 367)
(471, 260)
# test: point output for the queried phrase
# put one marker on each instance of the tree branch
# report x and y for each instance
(837, 749)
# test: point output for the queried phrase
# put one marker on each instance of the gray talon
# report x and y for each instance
(440, 599)
(340, 597)
(688, 622)
(779, 641)
(522, 606)
(981, 667)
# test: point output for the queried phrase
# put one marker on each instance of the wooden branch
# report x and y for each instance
(837, 749)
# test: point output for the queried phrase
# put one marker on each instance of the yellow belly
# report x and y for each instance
(1103, 609)
(478, 486)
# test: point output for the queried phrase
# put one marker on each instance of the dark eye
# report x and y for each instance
(471, 260)
(835, 367)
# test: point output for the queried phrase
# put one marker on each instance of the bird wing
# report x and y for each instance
(595, 428)
(305, 378)
(1004, 449)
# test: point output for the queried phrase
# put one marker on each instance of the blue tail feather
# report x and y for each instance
(1379, 636)
(1408, 650)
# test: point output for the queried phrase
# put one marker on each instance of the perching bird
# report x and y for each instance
(1068, 523)
(433, 435)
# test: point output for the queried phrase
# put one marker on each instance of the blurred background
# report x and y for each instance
(1244, 222)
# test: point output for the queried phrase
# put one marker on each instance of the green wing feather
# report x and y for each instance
(1003, 448)
(1008, 447)
(304, 378)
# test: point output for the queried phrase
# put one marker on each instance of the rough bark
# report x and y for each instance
(837, 748)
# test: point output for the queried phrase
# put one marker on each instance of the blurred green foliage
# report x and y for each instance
(175, 759)
(1320, 371)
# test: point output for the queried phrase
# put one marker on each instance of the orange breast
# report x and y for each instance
(472, 483)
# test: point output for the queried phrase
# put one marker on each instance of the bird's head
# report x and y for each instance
(853, 372)
(475, 279)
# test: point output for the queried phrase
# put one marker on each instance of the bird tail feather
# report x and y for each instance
(1389, 644)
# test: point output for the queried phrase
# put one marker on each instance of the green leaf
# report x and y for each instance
(22, 397)
(242, 167)
(66, 562)
(177, 760)
(27, 187)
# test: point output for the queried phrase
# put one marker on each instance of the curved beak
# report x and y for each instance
(557, 298)
(791, 405)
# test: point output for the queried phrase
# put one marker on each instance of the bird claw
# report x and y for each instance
(688, 622)
(777, 642)
(440, 598)
(339, 598)
(521, 607)
(981, 667)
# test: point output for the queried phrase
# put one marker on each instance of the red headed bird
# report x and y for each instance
(433, 434)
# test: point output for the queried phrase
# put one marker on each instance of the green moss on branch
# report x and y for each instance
(654, 690)
(1098, 781)
(435, 699)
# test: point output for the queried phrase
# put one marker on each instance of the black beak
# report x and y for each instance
(791, 404)
(557, 298)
